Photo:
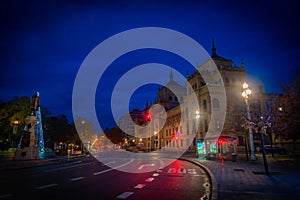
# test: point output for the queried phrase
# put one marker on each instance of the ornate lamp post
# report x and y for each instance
(246, 93)
(197, 116)
(15, 123)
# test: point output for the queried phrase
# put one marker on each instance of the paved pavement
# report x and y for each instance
(247, 180)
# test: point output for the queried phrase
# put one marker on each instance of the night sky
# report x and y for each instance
(43, 43)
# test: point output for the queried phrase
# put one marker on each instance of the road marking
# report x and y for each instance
(146, 165)
(66, 167)
(172, 170)
(76, 179)
(161, 163)
(79, 161)
(181, 171)
(191, 171)
(155, 174)
(112, 162)
(107, 170)
(139, 186)
(149, 179)
(101, 172)
(5, 196)
(124, 195)
(46, 186)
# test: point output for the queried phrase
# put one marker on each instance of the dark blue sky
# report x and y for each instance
(42, 44)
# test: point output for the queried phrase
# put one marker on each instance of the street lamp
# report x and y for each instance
(197, 116)
(246, 93)
(15, 123)
(156, 141)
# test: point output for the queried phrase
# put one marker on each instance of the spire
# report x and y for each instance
(147, 105)
(187, 73)
(243, 63)
(171, 75)
(213, 48)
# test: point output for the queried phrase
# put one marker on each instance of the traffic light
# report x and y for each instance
(175, 136)
(148, 117)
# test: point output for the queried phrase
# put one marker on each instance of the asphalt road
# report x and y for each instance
(87, 178)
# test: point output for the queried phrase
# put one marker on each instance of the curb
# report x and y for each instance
(213, 180)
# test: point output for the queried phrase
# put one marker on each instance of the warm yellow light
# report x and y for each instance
(197, 114)
(244, 94)
(15, 122)
(248, 91)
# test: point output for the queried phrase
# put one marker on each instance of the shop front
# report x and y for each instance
(223, 147)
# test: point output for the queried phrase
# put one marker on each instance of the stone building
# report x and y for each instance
(187, 127)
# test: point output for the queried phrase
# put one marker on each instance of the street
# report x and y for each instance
(87, 178)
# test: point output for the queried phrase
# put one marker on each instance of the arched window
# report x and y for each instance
(216, 104)
(204, 105)
(227, 80)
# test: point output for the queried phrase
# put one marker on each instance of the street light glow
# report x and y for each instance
(245, 85)
(197, 114)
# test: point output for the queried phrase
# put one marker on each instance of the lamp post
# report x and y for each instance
(246, 93)
(197, 116)
(16, 122)
(156, 141)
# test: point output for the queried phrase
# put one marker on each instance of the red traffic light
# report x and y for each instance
(148, 117)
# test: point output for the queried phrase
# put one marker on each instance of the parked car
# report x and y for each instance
(274, 149)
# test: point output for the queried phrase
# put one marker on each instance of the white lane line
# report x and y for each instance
(146, 165)
(112, 162)
(107, 170)
(66, 167)
(139, 186)
(5, 196)
(101, 172)
(79, 161)
(77, 179)
(149, 179)
(124, 195)
(46, 186)
(155, 174)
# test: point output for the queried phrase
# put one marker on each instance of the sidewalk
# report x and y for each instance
(9, 164)
(246, 180)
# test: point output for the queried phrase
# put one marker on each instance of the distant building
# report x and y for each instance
(181, 119)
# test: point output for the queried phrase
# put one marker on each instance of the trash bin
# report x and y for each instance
(233, 157)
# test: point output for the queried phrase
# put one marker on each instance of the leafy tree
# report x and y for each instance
(10, 111)
(57, 129)
(288, 109)
(115, 135)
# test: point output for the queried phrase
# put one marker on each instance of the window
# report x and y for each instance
(204, 105)
(216, 104)
(187, 129)
(226, 80)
